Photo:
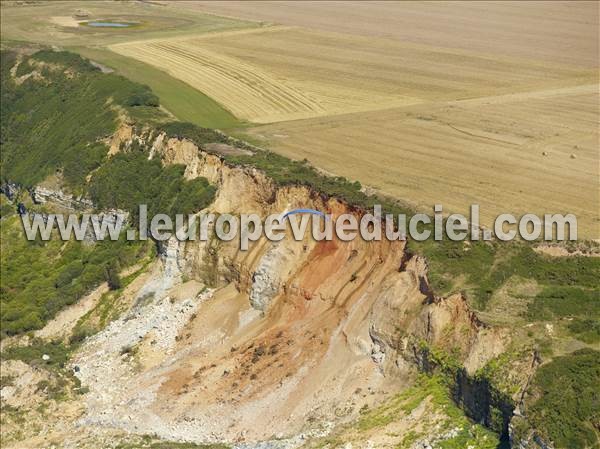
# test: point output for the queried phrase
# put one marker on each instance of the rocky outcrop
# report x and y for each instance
(287, 332)
(56, 196)
(10, 190)
(64, 200)
(531, 441)
(406, 314)
(266, 281)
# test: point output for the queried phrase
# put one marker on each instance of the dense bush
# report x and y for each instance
(486, 266)
(587, 330)
(39, 278)
(196, 134)
(69, 273)
(60, 122)
(111, 271)
(565, 301)
(32, 354)
(130, 179)
(568, 404)
(57, 123)
(64, 59)
(7, 208)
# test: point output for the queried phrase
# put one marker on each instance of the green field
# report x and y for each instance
(182, 100)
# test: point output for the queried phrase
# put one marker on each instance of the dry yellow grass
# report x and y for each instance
(247, 91)
(553, 31)
(280, 73)
(261, 86)
(487, 151)
(425, 123)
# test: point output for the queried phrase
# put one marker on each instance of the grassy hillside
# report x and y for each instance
(383, 421)
(565, 401)
(180, 99)
(40, 278)
(481, 268)
(168, 193)
(57, 111)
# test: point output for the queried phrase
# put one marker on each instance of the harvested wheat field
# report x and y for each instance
(482, 116)
(277, 74)
(554, 31)
(253, 75)
(534, 152)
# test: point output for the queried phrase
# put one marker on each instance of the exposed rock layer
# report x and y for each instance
(287, 333)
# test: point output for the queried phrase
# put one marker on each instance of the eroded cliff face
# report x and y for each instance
(277, 342)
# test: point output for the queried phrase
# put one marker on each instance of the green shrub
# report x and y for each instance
(567, 407)
(66, 59)
(69, 273)
(196, 134)
(112, 275)
(565, 301)
(32, 354)
(144, 97)
(6, 210)
(59, 123)
(483, 267)
(122, 183)
(38, 280)
(587, 330)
